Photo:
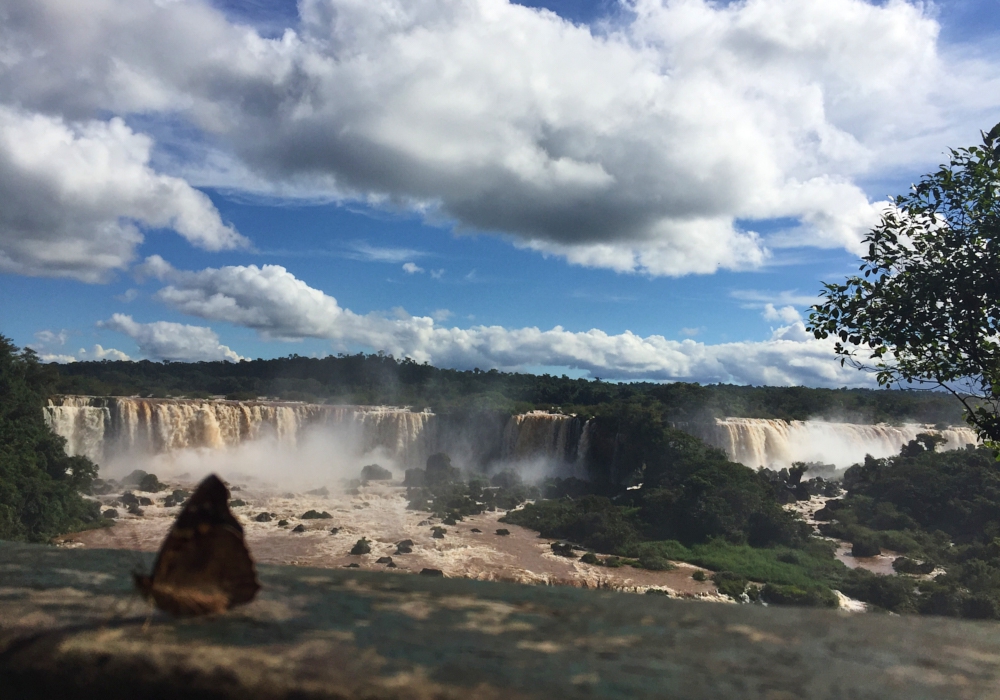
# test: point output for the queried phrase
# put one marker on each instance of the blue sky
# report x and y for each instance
(644, 190)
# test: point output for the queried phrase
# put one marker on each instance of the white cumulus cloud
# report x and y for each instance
(75, 194)
(646, 146)
(276, 304)
(412, 268)
(786, 314)
(163, 340)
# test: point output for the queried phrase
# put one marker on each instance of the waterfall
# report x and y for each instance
(106, 428)
(774, 443)
(103, 428)
(81, 424)
(538, 433)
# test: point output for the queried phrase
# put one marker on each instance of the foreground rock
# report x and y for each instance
(322, 633)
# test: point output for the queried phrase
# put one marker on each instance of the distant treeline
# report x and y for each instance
(381, 379)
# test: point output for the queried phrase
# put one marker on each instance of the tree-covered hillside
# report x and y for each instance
(39, 484)
(381, 379)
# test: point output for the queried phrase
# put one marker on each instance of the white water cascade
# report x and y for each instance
(777, 443)
(103, 428)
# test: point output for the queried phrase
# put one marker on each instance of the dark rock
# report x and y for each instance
(503, 532)
(391, 565)
(352, 565)
(99, 487)
(237, 502)
(316, 515)
(404, 547)
(563, 549)
(423, 523)
(384, 560)
(235, 488)
(150, 484)
(449, 520)
(321, 491)
(506, 479)
(362, 546)
(905, 565)
(134, 478)
(334, 530)
(437, 532)
(129, 499)
(110, 513)
(824, 514)
(440, 471)
(282, 523)
(299, 528)
(865, 547)
(431, 572)
(375, 472)
(475, 529)
(263, 517)
(177, 498)
(415, 478)
(144, 501)
(136, 510)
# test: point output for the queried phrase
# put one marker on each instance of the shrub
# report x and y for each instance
(699, 575)
(793, 595)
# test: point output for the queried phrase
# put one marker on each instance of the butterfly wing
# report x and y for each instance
(204, 565)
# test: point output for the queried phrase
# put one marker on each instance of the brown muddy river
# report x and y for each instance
(378, 512)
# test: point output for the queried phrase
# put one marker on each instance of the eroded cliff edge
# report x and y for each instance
(70, 626)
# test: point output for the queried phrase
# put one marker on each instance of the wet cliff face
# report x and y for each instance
(105, 428)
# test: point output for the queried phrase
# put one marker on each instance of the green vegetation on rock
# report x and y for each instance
(39, 484)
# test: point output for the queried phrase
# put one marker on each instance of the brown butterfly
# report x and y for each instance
(203, 566)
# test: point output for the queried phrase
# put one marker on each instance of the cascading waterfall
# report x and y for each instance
(758, 442)
(102, 428)
(539, 433)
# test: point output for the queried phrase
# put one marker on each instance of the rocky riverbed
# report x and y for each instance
(377, 511)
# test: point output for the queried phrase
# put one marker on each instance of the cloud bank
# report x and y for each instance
(276, 304)
(163, 340)
(645, 146)
(74, 196)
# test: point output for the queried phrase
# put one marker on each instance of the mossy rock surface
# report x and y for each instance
(350, 634)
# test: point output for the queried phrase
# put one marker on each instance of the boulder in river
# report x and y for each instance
(316, 515)
(110, 514)
(503, 532)
(362, 546)
(375, 472)
(404, 547)
(299, 528)
(150, 484)
(431, 572)
(263, 517)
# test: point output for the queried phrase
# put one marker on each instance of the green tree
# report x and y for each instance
(39, 483)
(926, 307)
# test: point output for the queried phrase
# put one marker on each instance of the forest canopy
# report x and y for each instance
(382, 379)
(39, 484)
